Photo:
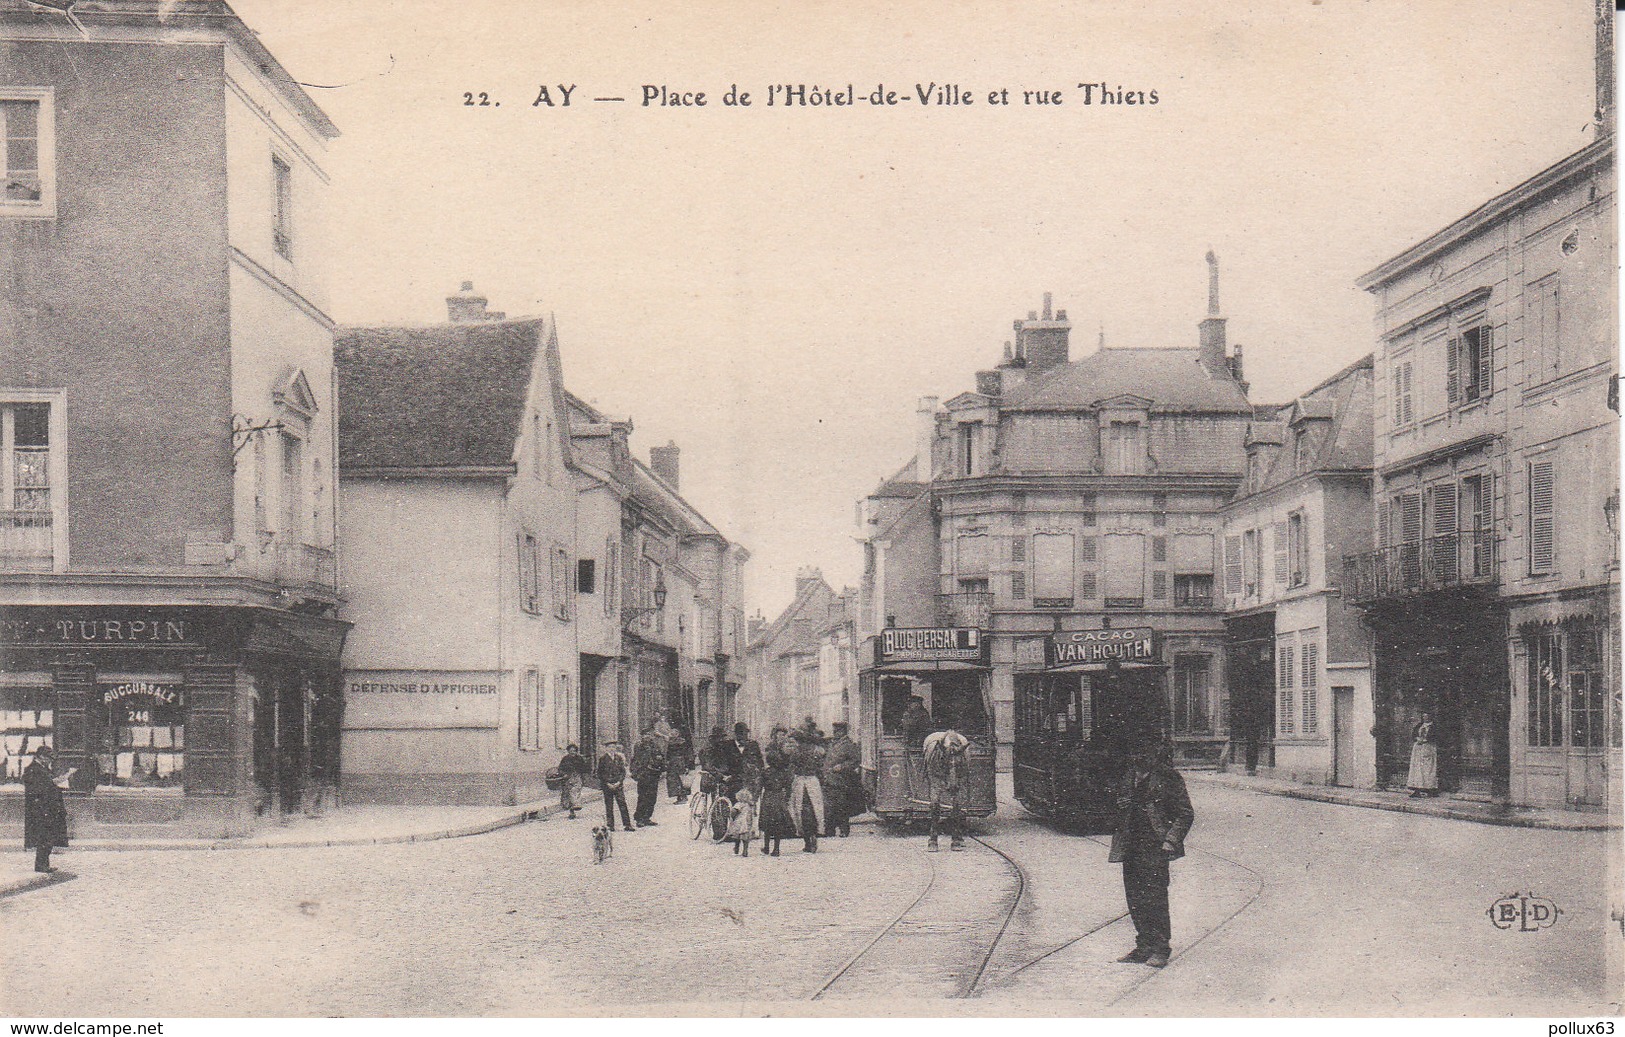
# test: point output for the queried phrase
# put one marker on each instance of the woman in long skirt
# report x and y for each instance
(1423, 779)
(774, 813)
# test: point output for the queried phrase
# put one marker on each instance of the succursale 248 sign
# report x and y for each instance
(1128, 645)
(930, 644)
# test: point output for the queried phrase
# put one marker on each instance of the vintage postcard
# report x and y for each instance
(530, 509)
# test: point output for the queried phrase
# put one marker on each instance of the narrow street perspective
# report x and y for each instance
(525, 509)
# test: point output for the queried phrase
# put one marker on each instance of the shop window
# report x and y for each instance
(29, 723)
(1588, 709)
(1545, 695)
(1193, 713)
(27, 152)
(146, 728)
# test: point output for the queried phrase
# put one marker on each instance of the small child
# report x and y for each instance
(742, 822)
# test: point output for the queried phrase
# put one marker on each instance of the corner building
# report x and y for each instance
(1063, 496)
(1493, 586)
(167, 448)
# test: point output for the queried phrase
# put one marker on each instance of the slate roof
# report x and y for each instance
(1339, 414)
(1170, 378)
(432, 396)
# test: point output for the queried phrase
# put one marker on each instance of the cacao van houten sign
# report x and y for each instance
(930, 644)
(1128, 645)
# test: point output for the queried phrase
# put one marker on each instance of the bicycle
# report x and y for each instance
(709, 807)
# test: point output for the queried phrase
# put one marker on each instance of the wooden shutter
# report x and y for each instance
(1282, 563)
(1452, 369)
(1159, 549)
(1087, 588)
(1311, 685)
(1159, 585)
(1410, 517)
(1542, 533)
(1088, 549)
(1486, 360)
(1018, 549)
(1232, 565)
(1285, 671)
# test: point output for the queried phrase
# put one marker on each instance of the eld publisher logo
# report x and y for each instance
(1524, 912)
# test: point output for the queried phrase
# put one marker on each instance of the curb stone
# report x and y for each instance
(520, 814)
(1434, 809)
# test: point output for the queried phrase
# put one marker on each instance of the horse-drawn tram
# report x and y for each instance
(1099, 695)
(920, 680)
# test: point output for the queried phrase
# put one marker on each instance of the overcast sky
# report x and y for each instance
(773, 288)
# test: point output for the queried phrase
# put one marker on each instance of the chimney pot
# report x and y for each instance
(1047, 306)
(466, 306)
(1032, 314)
(1060, 315)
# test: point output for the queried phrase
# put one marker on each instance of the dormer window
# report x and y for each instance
(1125, 448)
(1303, 447)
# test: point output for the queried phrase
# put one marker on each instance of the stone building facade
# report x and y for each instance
(1493, 588)
(167, 504)
(1064, 495)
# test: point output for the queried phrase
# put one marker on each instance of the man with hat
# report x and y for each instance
(1154, 816)
(45, 817)
(843, 790)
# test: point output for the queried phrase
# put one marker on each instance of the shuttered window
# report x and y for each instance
(563, 708)
(1054, 573)
(1285, 699)
(1193, 553)
(1403, 413)
(1123, 567)
(1479, 491)
(530, 590)
(1159, 585)
(1444, 553)
(1283, 562)
(1310, 716)
(1159, 549)
(1088, 587)
(530, 695)
(1542, 534)
(1018, 586)
(1018, 549)
(1232, 565)
(1088, 549)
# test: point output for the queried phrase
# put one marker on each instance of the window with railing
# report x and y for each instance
(28, 487)
(1193, 590)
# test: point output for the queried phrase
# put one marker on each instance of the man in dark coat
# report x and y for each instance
(648, 764)
(917, 722)
(45, 817)
(842, 788)
(1154, 815)
(679, 760)
(612, 781)
(744, 760)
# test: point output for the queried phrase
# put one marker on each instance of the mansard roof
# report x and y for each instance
(1170, 378)
(1344, 443)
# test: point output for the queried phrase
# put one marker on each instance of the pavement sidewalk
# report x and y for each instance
(345, 826)
(1400, 802)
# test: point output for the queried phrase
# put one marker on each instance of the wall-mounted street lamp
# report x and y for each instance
(630, 616)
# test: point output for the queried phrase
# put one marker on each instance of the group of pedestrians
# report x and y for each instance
(804, 783)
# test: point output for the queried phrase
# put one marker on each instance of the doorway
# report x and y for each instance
(1343, 736)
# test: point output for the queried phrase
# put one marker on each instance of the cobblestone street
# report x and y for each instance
(1276, 898)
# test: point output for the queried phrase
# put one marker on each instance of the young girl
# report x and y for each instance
(742, 822)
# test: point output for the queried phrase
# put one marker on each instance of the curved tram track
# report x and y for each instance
(944, 943)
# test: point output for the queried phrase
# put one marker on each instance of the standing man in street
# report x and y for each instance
(947, 769)
(806, 790)
(612, 780)
(842, 788)
(1154, 815)
(745, 761)
(45, 817)
(648, 763)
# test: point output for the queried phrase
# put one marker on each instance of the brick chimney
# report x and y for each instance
(808, 576)
(468, 306)
(1210, 348)
(663, 459)
(1043, 343)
